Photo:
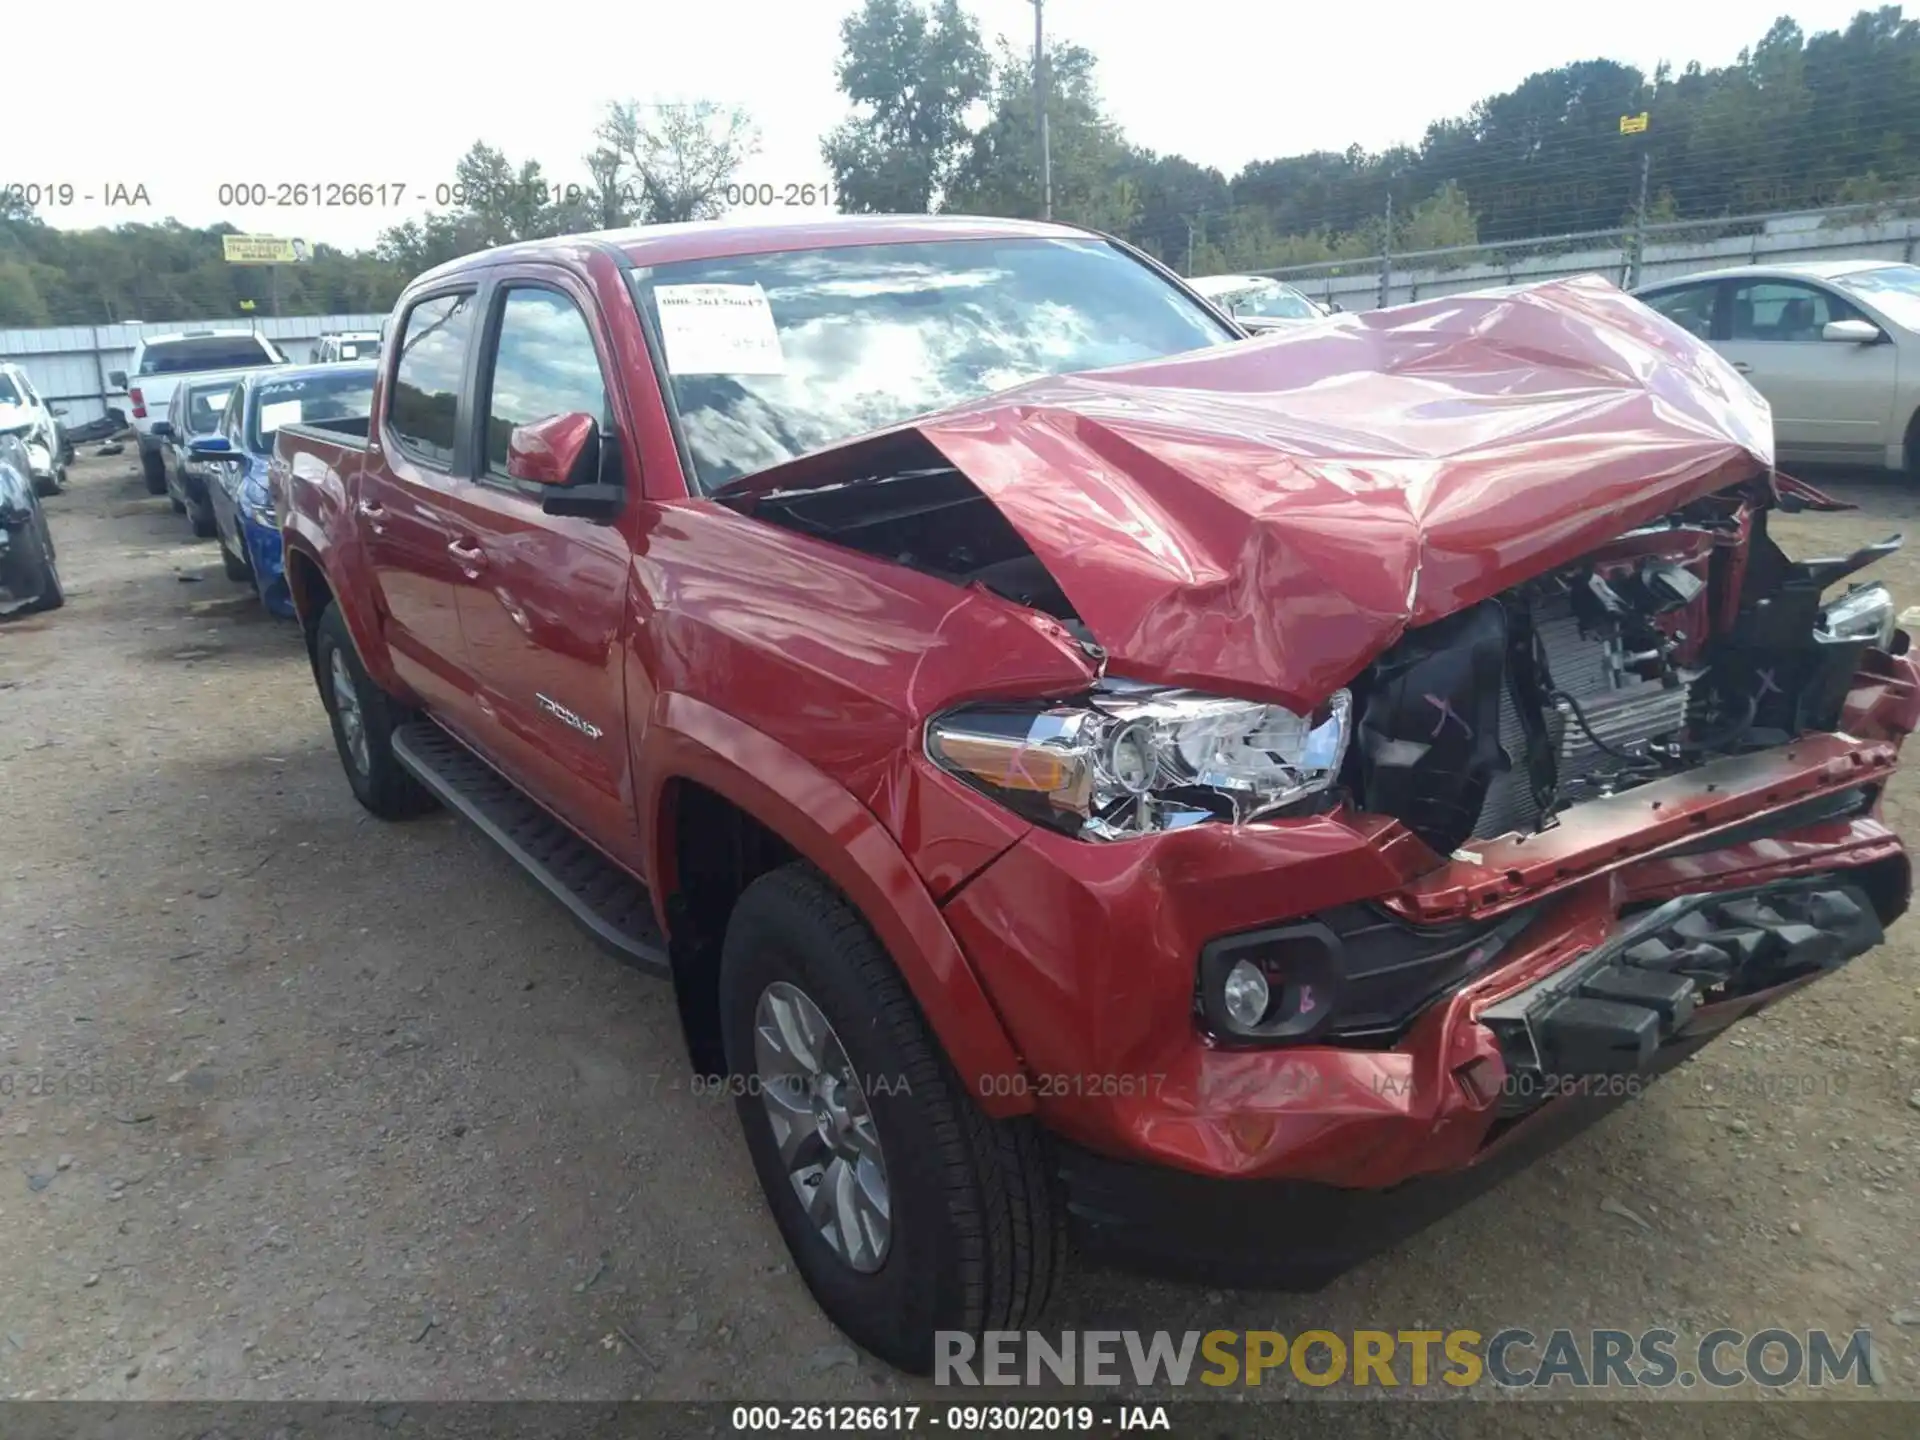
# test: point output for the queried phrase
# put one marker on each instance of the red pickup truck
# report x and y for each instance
(1080, 764)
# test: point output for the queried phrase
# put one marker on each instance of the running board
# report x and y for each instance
(613, 907)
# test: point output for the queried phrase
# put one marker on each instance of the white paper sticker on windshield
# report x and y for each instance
(718, 330)
(281, 412)
(217, 402)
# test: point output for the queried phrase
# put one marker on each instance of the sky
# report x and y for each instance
(393, 93)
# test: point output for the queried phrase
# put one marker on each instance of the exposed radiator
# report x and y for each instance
(1624, 710)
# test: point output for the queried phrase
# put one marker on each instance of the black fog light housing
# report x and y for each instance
(1297, 967)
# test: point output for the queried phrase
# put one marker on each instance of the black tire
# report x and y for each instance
(977, 1235)
(200, 516)
(154, 469)
(54, 483)
(39, 564)
(382, 784)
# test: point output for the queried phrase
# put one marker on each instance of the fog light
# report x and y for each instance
(1245, 994)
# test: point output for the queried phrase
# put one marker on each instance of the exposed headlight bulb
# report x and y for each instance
(1130, 758)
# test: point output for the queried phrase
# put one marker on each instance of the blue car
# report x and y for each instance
(260, 403)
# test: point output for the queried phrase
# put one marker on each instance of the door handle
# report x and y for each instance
(471, 557)
(373, 514)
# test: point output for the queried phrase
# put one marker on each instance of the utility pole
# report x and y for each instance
(1630, 266)
(1189, 247)
(1640, 221)
(1040, 107)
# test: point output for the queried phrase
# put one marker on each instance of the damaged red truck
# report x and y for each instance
(1080, 766)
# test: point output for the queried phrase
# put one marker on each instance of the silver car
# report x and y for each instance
(1834, 346)
(1258, 302)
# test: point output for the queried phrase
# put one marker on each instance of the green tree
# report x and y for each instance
(912, 72)
(677, 160)
(1001, 172)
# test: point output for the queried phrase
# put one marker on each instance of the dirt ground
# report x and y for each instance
(294, 1104)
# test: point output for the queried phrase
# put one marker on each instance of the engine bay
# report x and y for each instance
(1685, 640)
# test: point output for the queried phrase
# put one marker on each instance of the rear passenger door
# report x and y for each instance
(415, 460)
(545, 608)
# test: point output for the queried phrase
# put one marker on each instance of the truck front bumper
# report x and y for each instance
(1565, 1050)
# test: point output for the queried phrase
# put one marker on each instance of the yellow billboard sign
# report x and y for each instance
(264, 250)
(1633, 124)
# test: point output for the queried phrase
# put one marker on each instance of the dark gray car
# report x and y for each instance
(29, 578)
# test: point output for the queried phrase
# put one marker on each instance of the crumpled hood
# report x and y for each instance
(1264, 518)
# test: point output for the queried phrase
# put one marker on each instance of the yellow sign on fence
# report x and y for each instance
(264, 250)
(1633, 124)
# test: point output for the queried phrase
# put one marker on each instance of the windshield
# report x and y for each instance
(216, 352)
(8, 394)
(773, 356)
(359, 349)
(1271, 302)
(309, 400)
(205, 407)
(1894, 288)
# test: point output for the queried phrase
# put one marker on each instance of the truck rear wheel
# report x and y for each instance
(906, 1209)
(363, 718)
(155, 471)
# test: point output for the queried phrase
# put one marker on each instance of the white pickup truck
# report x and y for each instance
(158, 367)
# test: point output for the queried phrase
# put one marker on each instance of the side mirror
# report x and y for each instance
(117, 379)
(568, 455)
(559, 450)
(161, 430)
(57, 411)
(211, 447)
(1851, 332)
(1334, 307)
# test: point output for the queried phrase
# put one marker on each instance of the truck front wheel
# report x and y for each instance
(906, 1209)
(363, 717)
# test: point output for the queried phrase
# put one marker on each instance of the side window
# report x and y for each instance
(1784, 311)
(230, 417)
(425, 407)
(544, 365)
(1691, 308)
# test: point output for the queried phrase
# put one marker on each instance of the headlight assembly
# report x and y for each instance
(1863, 613)
(1132, 760)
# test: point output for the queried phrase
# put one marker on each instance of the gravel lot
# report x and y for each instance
(294, 1104)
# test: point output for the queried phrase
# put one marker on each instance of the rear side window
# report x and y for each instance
(424, 410)
(210, 352)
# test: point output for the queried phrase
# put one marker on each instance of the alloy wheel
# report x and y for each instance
(823, 1126)
(346, 706)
